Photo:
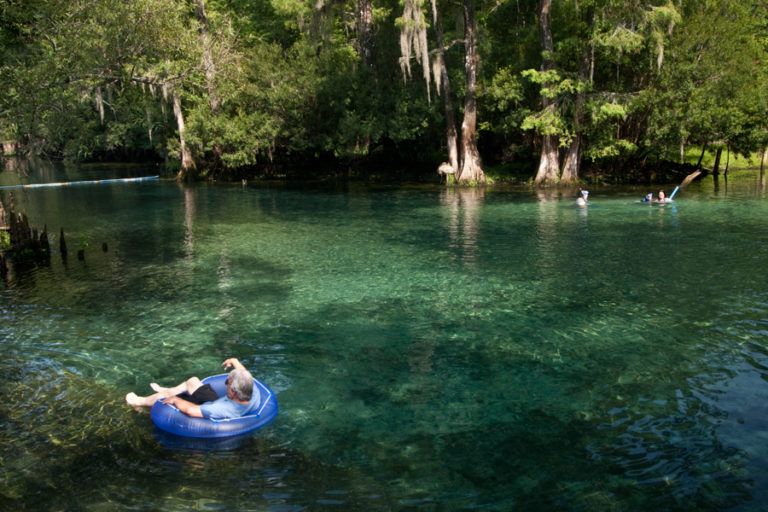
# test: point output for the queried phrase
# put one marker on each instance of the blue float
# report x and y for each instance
(170, 419)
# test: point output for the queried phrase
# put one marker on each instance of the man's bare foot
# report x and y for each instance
(132, 399)
(157, 388)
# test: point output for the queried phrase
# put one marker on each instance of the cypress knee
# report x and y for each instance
(45, 246)
(62, 244)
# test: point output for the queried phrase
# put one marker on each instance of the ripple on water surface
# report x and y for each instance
(429, 349)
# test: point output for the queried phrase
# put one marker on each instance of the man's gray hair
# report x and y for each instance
(241, 384)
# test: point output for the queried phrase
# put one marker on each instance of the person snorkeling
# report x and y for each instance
(583, 197)
(661, 198)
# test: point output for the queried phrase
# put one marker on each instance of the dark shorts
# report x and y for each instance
(204, 393)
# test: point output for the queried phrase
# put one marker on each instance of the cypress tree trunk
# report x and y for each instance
(716, 167)
(572, 161)
(573, 156)
(451, 136)
(187, 164)
(548, 163)
(471, 171)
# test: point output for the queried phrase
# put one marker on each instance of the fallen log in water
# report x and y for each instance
(688, 179)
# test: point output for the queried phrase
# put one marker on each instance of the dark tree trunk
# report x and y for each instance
(716, 167)
(364, 20)
(701, 157)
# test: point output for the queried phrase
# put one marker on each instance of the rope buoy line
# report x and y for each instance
(85, 182)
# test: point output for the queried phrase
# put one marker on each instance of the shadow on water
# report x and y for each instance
(69, 444)
(175, 442)
(492, 423)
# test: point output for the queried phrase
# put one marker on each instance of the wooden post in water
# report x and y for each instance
(45, 246)
(62, 245)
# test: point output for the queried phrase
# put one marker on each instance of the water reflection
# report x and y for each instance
(750, 183)
(463, 204)
(174, 442)
(547, 229)
(12, 165)
(189, 219)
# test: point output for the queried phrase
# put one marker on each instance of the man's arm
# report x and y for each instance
(184, 406)
(234, 363)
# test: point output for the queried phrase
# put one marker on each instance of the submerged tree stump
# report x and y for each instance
(25, 244)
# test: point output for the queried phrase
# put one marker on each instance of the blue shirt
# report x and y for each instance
(225, 407)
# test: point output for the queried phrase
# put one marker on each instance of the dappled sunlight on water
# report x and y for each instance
(430, 349)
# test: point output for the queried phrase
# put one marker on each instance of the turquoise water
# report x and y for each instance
(430, 349)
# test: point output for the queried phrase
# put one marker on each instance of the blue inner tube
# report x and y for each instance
(170, 419)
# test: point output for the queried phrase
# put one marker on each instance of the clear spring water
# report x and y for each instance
(430, 349)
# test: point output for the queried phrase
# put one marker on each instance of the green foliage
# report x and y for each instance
(281, 81)
(610, 149)
(712, 88)
(607, 111)
(545, 122)
(503, 97)
(85, 241)
(505, 90)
